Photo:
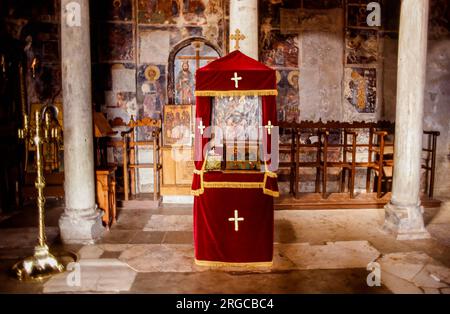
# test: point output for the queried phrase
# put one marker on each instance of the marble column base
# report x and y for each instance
(81, 226)
(405, 222)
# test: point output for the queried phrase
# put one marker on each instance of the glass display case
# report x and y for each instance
(235, 125)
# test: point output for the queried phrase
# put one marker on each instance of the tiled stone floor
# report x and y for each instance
(151, 251)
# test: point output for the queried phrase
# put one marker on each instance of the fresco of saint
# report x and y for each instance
(152, 91)
(185, 85)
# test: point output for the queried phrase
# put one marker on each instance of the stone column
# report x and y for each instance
(81, 221)
(404, 214)
(244, 16)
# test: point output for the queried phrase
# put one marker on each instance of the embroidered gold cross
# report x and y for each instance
(269, 127)
(236, 80)
(237, 36)
(236, 220)
(201, 127)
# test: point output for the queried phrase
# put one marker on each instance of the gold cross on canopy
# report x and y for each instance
(201, 127)
(236, 220)
(269, 127)
(236, 79)
(237, 36)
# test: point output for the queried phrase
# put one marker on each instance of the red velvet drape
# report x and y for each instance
(214, 80)
(220, 196)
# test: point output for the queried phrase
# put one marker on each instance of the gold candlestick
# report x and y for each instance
(42, 264)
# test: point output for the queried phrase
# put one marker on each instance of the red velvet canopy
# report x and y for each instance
(216, 80)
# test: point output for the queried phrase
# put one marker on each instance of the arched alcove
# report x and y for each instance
(194, 52)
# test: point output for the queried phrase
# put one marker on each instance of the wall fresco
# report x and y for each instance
(112, 10)
(361, 46)
(172, 11)
(360, 89)
(151, 92)
(116, 42)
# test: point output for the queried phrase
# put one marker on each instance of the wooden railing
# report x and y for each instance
(373, 140)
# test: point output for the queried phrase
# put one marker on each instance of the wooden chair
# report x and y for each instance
(286, 168)
(375, 159)
(430, 161)
(323, 159)
(311, 146)
(130, 165)
(345, 164)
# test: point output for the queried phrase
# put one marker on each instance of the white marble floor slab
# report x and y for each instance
(169, 223)
(95, 275)
(404, 265)
(301, 256)
(333, 255)
(159, 257)
(409, 272)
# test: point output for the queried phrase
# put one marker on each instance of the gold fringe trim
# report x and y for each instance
(201, 190)
(225, 264)
(241, 171)
(271, 174)
(234, 185)
(228, 93)
(268, 191)
(271, 193)
(197, 192)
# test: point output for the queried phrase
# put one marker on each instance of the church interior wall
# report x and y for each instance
(142, 35)
(320, 63)
(437, 97)
(437, 109)
(390, 57)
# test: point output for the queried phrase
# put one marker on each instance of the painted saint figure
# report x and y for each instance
(185, 85)
(358, 86)
(292, 97)
(152, 92)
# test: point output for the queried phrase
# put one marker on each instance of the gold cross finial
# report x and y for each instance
(237, 36)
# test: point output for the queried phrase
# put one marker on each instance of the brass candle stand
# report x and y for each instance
(42, 264)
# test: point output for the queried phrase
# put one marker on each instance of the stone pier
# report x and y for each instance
(244, 16)
(404, 213)
(81, 221)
